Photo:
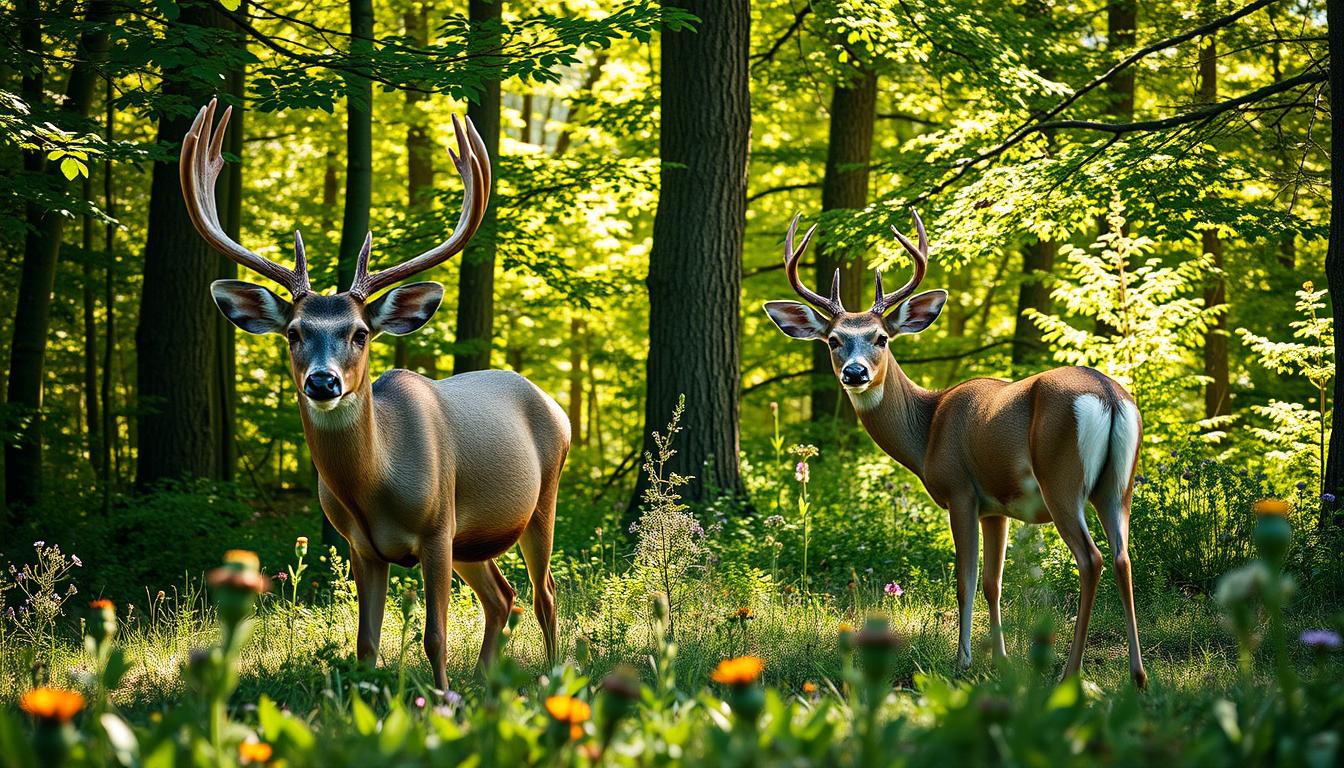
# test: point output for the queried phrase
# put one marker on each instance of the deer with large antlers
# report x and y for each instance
(1036, 450)
(448, 473)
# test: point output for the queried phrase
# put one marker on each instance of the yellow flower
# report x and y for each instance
(845, 626)
(1271, 507)
(52, 704)
(302, 541)
(571, 711)
(743, 670)
(254, 752)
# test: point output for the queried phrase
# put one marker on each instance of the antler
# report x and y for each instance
(473, 165)
(919, 255)
(831, 306)
(200, 165)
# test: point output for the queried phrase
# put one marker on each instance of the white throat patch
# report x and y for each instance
(340, 414)
(865, 399)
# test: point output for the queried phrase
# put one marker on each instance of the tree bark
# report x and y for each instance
(844, 187)
(576, 333)
(419, 182)
(476, 281)
(1216, 390)
(37, 279)
(92, 411)
(109, 431)
(358, 147)
(1038, 261)
(231, 205)
(1334, 257)
(695, 266)
(1122, 20)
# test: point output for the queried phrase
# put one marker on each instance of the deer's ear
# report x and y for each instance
(405, 309)
(916, 313)
(796, 319)
(254, 308)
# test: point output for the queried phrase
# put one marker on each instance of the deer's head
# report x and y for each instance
(858, 340)
(328, 335)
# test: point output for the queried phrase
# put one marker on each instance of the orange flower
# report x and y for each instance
(567, 709)
(809, 687)
(52, 704)
(743, 670)
(845, 626)
(243, 581)
(243, 557)
(1271, 507)
(99, 605)
(254, 752)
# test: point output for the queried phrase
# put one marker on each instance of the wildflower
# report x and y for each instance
(893, 589)
(301, 546)
(254, 752)
(1301, 485)
(800, 472)
(52, 704)
(1328, 498)
(1141, 479)
(281, 576)
(243, 557)
(419, 702)
(774, 521)
(741, 671)
(39, 544)
(696, 530)
(75, 559)
(741, 614)
(567, 710)
(99, 605)
(452, 699)
(810, 688)
(159, 597)
(1272, 507)
(1320, 639)
(774, 407)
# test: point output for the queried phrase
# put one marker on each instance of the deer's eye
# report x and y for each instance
(834, 342)
(881, 342)
(293, 335)
(360, 337)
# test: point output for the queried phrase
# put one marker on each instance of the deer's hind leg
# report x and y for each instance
(536, 544)
(496, 596)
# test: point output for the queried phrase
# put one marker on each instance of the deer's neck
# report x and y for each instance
(346, 444)
(897, 415)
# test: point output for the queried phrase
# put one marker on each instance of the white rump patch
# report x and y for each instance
(1094, 436)
(1124, 444)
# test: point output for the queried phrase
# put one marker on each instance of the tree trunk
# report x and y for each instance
(358, 146)
(109, 431)
(845, 187)
(576, 332)
(1216, 400)
(231, 191)
(1334, 257)
(37, 279)
(695, 266)
(476, 282)
(1038, 261)
(92, 412)
(177, 340)
(1122, 20)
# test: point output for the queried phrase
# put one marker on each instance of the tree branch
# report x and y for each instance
(784, 188)
(931, 359)
(769, 54)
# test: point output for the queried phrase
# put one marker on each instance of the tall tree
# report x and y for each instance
(41, 250)
(476, 281)
(844, 187)
(1216, 401)
(358, 146)
(419, 173)
(695, 265)
(92, 411)
(226, 350)
(176, 340)
(1334, 255)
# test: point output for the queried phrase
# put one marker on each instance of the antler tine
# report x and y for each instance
(920, 257)
(198, 169)
(792, 256)
(473, 165)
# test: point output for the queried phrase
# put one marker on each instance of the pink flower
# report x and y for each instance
(894, 589)
(800, 472)
(281, 576)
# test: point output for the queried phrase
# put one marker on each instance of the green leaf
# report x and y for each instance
(121, 738)
(70, 168)
(366, 722)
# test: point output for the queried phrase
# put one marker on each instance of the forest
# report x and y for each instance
(758, 551)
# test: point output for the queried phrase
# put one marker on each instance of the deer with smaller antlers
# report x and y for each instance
(448, 474)
(1035, 450)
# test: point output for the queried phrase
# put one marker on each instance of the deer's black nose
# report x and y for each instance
(321, 385)
(854, 375)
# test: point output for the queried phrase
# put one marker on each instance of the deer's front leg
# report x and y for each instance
(371, 584)
(436, 562)
(965, 538)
